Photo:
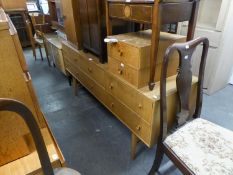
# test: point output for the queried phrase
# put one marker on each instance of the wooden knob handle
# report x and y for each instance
(112, 105)
(138, 128)
(140, 106)
(89, 69)
(111, 86)
(120, 71)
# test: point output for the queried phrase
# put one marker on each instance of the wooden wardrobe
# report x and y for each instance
(93, 27)
(16, 83)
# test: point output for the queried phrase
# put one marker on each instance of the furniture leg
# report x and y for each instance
(154, 44)
(69, 78)
(34, 51)
(75, 85)
(134, 141)
(41, 53)
(47, 55)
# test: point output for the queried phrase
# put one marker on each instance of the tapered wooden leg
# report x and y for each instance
(41, 53)
(134, 141)
(34, 51)
(47, 55)
(75, 86)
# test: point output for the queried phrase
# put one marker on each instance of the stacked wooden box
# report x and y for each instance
(130, 56)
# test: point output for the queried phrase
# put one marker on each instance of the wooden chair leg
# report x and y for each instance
(158, 159)
(41, 53)
(134, 141)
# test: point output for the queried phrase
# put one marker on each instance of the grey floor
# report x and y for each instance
(92, 140)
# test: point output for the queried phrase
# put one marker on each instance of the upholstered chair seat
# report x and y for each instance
(206, 148)
(65, 171)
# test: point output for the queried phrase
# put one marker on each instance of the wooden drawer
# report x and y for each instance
(130, 119)
(86, 62)
(94, 69)
(131, 12)
(130, 96)
(133, 49)
(74, 59)
(139, 78)
(96, 90)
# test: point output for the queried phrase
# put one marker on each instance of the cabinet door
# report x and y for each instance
(94, 25)
(83, 11)
(71, 20)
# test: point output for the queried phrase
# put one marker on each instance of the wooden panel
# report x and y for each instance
(87, 63)
(138, 10)
(30, 164)
(94, 87)
(12, 4)
(12, 150)
(131, 12)
(116, 10)
(133, 49)
(15, 83)
(139, 78)
(130, 119)
(71, 21)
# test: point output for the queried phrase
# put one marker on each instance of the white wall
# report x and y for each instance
(224, 64)
(231, 79)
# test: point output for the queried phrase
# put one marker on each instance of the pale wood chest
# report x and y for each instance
(129, 57)
(137, 109)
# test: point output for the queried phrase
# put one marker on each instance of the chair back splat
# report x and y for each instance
(183, 82)
(184, 88)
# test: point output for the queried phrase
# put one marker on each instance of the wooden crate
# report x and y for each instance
(129, 57)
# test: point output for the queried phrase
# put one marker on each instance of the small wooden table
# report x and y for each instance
(156, 13)
(54, 46)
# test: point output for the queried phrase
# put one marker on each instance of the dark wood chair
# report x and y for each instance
(195, 146)
(156, 13)
(19, 108)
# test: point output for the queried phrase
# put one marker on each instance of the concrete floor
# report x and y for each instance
(92, 140)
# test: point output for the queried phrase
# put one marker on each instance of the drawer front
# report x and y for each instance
(96, 90)
(127, 54)
(130, 119)
(129, 96)
(86, 64)
(140, 78)
(139, 13)
(95, 71)
(128, 73)
(116, 10)
(75, 59)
